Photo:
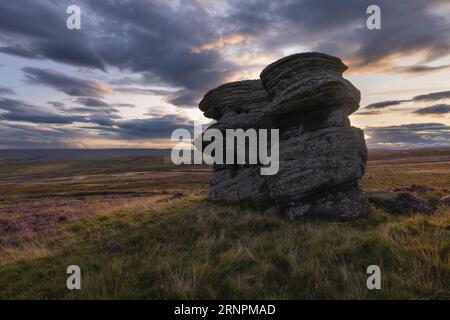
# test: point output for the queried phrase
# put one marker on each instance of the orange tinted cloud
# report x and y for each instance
(224, 41)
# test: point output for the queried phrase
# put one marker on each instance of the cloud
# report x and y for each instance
(366, 113)
(17, 110)
(124, 105)
(35, 29)
(151, 38)
(384, 104)
(92, 102)
(102, 119)
(20, 111)
(4, 91)
(20, 52)
(56, 104)
(185, 46)
(180, 52)
(338, 27)
(184, 98)
(29, 136)
(157, 127)
(438, 109)
(223, 41)
(409, 136)
(421, 69)
(71, 86)
(433, 96)
(143, 91)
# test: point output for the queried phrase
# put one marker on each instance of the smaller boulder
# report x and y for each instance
(416, 188)
(400, 202)
(408, 202)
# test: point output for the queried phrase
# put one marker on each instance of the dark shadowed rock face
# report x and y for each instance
(322, 158)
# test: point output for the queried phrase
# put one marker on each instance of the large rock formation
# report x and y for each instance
(322, 158)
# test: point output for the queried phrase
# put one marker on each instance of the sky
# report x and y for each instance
(137, 69)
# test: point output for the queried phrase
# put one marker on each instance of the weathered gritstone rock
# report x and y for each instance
(322, 158)
(316, 163)
(236, 104)
(238, 183)
(307, 89)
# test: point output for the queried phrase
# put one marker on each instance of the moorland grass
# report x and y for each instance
(192, 249)
(189, 248)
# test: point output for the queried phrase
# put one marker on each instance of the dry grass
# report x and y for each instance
(166, 246)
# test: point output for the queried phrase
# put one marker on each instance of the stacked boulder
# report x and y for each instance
(321, 157)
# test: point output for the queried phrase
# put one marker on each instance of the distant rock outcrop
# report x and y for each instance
(322, 158)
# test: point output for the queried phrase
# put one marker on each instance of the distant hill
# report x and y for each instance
(379, 154)
(99, 154)
(75, 154)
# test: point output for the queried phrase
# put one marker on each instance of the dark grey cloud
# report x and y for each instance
(29, 136)
(158, 40)
(181, 98)
(91, 106)
(20, 52)
(92, 102)
(160, 126)
(433, 96)
(148, 37)
(338, 27)
(104, 120)
(71, 86)
(16, 110)
(20, 111)
(385, 104)
(420, 69)
(37, 29)
(157, 127)
(4, 91)
(184, 98)
(438, 109)
(409, 136)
